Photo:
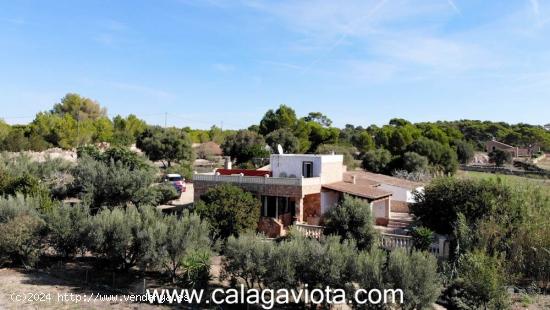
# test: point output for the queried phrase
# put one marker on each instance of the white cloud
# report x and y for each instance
(221, 67)
(454, 7)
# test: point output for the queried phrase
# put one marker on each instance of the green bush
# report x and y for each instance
(196, 269)
(127, 237)
(416, 274)
(370, 272)
(352, 219)
(246, 258)
(230, 210)
(480, 284)
(69, 228)
(183, 237)
(422, 237)
(99, 184)
(377, 161)
(21, 229)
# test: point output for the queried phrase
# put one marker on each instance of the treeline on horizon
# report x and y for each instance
(399, 145)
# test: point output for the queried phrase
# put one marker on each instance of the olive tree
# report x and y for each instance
(182, 237)
(230, 210)
(352, 220)
(415, 274)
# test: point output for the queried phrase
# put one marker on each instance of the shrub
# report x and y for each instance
(21, 229)
(352, 219)
(126, 237)
(416, 274)
(377, 160)
(413, 162)
(166, 192)
(230, 210)
(500, 157)
(100, 184)
(21, 239)
(182, 237)
(437, 207)
(196, 267)
(246, 258)
(480, 284)
(370, 268)
(422, 238)
(69, 229)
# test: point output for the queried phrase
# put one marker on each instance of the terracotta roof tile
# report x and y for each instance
(358, 189)
(383, 179)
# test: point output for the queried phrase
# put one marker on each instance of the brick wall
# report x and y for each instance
(270, 227)
(201, 187)
(312, 208)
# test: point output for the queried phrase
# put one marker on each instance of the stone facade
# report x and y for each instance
(270, 227)
(312, 209)
(269, 190)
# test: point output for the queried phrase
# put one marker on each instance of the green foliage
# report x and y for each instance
(465, 151)
(283, 117)
(422, 238)
(101, 184)
(413, 162)
(370, 271)
(126, 130)
(15, 140)
(319, 118)
(21, 229)
(244, 145)
(500, 157)
(443, 199)
(377, 160)
(443, 157)
(184, 244)
(169, 145)
(494, 216)
(68, 229)
(230, 210)
(352, 220)
(196, 266)
(247, 258)
(416, 274)
(285, 138)
(79, 107)
(126, 237)
(480, 285)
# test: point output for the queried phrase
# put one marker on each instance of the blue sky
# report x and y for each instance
(213, 61)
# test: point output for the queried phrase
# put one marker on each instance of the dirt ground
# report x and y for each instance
(36, 290)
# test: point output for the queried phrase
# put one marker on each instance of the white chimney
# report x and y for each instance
(227, 162)
(353, 179)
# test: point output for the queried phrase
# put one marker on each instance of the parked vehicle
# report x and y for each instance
(177, 181)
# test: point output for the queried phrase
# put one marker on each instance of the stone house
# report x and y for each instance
(514, 150)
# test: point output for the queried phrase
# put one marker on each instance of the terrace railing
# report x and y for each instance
(439, 248)
(256, 180)
(310, 231)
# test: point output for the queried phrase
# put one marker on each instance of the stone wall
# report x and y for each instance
(312, 209)
(399, 206)
(270, 227)
(269, 190)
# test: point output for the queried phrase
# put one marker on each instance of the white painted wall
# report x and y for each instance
(329, 168)
(400, 193)
(379, 208)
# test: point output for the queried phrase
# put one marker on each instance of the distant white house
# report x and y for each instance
(547, 127)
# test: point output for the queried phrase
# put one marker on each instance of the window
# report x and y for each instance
(273, 206)
(307, 169)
